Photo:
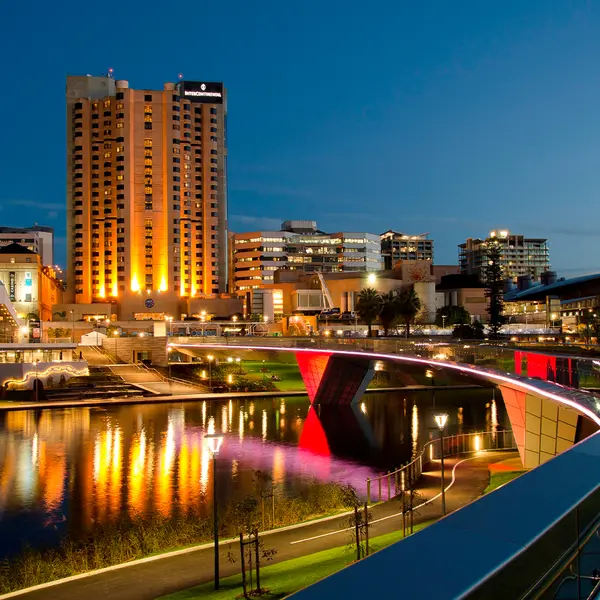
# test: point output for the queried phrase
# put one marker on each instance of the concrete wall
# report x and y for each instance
(128, 349)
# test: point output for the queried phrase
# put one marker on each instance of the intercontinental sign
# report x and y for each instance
(208, 92)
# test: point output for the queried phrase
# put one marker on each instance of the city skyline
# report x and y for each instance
(490, 126)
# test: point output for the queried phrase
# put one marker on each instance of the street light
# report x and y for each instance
(169, 350)
(371, 279)
(72, 326)
(234, 318)
(440, 420)
(116, 334)
(210, 358)
(214, 441)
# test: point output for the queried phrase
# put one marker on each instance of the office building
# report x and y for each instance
(38, 239)
(146, 194)
(301, 246)
(32, 287)
(520, 255)
(397, 246)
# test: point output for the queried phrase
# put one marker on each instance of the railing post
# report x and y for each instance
(389, 481)
(368, 490)
(379, 497)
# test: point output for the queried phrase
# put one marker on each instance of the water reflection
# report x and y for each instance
(65, 472)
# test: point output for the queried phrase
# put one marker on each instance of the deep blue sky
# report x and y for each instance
(448, 117)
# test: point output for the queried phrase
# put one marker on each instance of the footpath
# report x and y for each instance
(150, 578)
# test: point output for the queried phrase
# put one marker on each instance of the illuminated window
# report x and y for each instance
(107, 104)
(147, 152)
(148, 118)
(119, 125)
(119, 177)
(120, 148)
(148, 189)
(147, 143)
(107, 155)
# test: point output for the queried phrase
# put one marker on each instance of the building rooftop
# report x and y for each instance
(539, 290)
(15, 248)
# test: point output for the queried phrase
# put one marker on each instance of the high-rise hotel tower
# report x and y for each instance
(146, 193)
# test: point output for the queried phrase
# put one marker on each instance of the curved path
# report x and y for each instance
(150, 578)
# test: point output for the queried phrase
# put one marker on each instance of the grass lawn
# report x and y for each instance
(499, 479)
(291, 575)
(289, 373)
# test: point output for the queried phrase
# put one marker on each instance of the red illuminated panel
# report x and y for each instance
(541, 366)
(519, 362)
(313, 436)
(312, 366)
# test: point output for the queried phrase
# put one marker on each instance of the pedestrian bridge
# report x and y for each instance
(547, 417)
(536, 537)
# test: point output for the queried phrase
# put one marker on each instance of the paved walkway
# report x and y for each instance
(151, 578)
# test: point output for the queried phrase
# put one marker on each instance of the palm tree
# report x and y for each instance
(389, 311)
(408, 307)
(368, 306)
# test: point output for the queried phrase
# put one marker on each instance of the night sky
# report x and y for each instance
(448, 117)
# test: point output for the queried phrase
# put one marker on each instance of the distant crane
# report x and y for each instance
(326, 295)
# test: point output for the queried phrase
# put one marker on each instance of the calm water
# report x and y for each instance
(64, 471)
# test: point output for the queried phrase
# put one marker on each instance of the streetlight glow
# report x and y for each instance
(213, 441)
(441, 420)
(372, 278)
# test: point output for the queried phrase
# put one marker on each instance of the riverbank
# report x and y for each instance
(9, 405)
(149, 578)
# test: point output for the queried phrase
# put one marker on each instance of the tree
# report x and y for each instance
(368, 306)
(409, 305)
(494, 280)
(452, 315)
(389, 312)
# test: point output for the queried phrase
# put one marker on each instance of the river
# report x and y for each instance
(65, 471)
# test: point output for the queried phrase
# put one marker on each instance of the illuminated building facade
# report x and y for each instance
(401, 246)
(300, 246)
(521, 256)
(32, 288)
(146, 192)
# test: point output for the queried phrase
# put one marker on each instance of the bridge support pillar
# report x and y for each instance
(334, 379)
(542, 428)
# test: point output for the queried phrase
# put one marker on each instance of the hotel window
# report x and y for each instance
(147, 125)
(148, 118)
(148, 98)
(147, 152)
(120, 106)
(119, 125)
(120, 148)
(148, 161)
(147, 143)
(107, 104)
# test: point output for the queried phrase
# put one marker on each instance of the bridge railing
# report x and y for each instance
(567, 370)
(386, 486)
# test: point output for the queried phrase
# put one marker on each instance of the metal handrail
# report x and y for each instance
(455, 445)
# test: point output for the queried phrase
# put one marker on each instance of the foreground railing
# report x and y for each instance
(390, 484)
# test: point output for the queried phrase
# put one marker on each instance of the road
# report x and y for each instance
(150, 578)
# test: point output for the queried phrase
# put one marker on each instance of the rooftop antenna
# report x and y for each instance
(111, 73)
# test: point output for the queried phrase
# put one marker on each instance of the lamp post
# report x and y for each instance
(116, 334)
(210, 358)
(440, 420)
(72, 326)
(169, 350)
(214, 441)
